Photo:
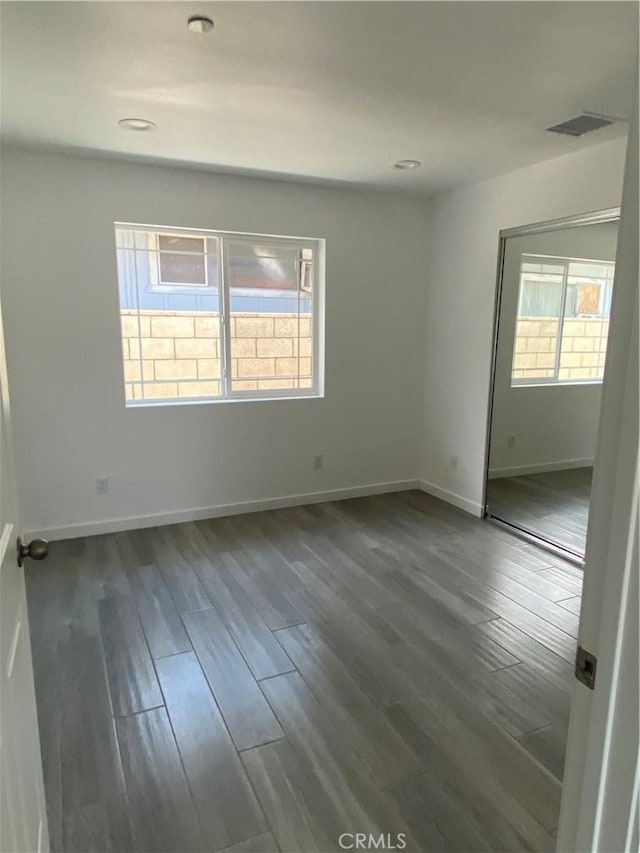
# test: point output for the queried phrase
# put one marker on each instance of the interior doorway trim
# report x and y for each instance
(594, 217)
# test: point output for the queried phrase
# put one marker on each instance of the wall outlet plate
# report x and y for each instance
(102, 485)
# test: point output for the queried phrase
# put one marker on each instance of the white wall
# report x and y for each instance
(60, 304)
(554, 426)
(461, 297)
(406, 388)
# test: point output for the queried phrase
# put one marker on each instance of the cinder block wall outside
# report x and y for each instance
(584, 347)
(177, 353)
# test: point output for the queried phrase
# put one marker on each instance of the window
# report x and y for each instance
(562, 322)
(181, 260)
(212, 315)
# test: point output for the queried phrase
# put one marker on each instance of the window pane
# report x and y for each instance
(585, 329)
(537, 321)
(540, 298)
(170, 338)
(262, 267)
(182, 269)
(270, 317)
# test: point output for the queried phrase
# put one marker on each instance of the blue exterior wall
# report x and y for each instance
(137, 291)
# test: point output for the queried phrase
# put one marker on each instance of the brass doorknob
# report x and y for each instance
(37, 549)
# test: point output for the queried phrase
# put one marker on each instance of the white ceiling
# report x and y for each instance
(319, 90)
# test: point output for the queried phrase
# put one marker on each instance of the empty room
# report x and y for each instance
(319, 436)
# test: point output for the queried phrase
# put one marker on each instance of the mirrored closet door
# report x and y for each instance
(551, 345)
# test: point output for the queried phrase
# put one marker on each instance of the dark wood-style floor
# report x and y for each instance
(553, 505)
(271, 681)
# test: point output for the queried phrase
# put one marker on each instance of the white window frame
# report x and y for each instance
(554, 380)
(227, 394)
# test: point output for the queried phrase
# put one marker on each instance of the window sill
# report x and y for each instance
(560, 384)
(145, 404)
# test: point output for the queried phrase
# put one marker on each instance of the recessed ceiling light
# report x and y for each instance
(407, 164)
(200, 24)
(139, 124)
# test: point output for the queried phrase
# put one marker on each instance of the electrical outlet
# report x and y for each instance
(318, 462)
(102, 486)
(454, 463)
(511, 441)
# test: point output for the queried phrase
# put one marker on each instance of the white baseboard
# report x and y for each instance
(113, 525)
(539, 468)
(452, 498)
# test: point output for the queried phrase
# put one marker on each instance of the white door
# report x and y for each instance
(602, 770)
(23, 818)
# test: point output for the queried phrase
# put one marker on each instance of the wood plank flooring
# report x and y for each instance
(553, 505)
(268, 682)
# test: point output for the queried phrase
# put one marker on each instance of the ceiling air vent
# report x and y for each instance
(580, 125)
